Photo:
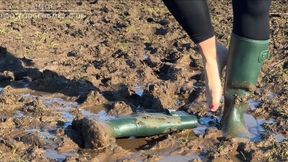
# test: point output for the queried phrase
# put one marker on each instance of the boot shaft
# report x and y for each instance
(245, 59)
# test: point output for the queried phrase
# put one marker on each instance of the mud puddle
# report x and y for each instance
(255, 126)
(54, 155)
(180, 158)
(65, 109)
(139, 89)
(132, 143)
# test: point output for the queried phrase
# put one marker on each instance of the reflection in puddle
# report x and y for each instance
(255, 129)
(62, 106)
(179, 158)
(66, 109)
(253, 125)
(131, 144)
(19, 114)
(95, 108)
(146, 57)
(59, 103)
(101, 115)
(200, 130)
(254, 104)
(269, 121)
(139, 90)
(45, 135)
(209, 120)
(68, 119)
(52, 154)
(272, 95)
(206, 122)
(279, 137)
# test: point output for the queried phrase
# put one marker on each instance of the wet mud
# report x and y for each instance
(103, 59)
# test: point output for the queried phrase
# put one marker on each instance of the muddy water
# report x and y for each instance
(66, 110)
(180, 158)
(139, 89)
(254, 104)
(254, 126)
(132, 143)
(115, 47)
(52, 154)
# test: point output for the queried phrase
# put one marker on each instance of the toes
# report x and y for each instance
(214, 107)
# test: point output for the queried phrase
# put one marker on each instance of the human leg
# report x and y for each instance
(194, 17)
(247, 51)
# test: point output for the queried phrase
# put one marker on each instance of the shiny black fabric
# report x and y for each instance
(251, 18)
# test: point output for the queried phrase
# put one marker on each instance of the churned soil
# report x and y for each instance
(60, 60)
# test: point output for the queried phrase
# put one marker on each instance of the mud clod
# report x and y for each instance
(95, 134)
(120, 109)
(33, 139)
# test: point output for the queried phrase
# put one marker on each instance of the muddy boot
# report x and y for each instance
(148, 124)
(245, 59)
(99, 134)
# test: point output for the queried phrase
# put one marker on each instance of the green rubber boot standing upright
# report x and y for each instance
(245, 59)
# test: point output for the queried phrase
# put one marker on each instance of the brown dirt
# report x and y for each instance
(124, 56)
(96, 134)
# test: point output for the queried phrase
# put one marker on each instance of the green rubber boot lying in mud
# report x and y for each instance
(99, 134)
(245, 59)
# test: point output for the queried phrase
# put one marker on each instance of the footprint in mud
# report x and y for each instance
(167, 72)
(150, 48)
(161, 31)
(19, 73)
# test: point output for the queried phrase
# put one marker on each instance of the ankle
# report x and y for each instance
(208, 50)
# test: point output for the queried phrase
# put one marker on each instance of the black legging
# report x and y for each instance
(251, 18)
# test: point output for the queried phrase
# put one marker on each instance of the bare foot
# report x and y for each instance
(214, 58)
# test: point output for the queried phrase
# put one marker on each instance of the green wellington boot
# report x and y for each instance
(245, 59)
(98, 134)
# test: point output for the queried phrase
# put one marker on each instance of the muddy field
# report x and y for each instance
(108, 58)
